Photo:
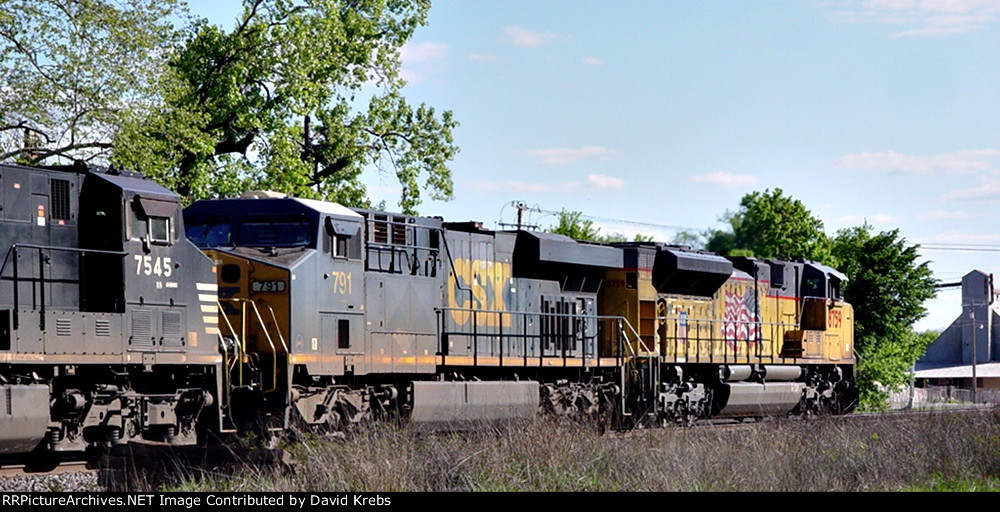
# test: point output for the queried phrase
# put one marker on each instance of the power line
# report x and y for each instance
(623, 221)
(930, 246)
(960, 247)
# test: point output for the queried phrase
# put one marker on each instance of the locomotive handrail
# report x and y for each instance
(395, 248)
(277, 328)
(768, 334)
(637, 338)
(451, 265)
(472, 323)
(41, 278)
(225, 354)
(274, 352)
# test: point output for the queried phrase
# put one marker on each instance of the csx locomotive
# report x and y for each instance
(274, 312)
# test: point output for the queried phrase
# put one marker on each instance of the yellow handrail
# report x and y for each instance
(274, 352)
(225, 351)
(277, 329)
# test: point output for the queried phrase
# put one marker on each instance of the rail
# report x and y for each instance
(725, 341)
(523, 335)
(40, 279)
(591, 333)
(242, 339)
(404, 251)
(230, 363)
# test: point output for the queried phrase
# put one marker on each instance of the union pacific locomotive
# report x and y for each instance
(114, 326)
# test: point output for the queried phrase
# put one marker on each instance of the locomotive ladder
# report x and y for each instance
(241, 338)
(636, 384)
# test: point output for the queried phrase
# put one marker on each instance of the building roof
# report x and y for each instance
(983, 370)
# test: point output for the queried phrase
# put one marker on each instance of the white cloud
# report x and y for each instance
(421, 59)
(725, 179)
(958, 161)
(924, 18)
(605, 182)
(944, 215)
(524, 187)
(422, 52)
(566, 156)
(520, 36)
(890, 4)
(594, 181)
(592, 61)
(878, 218)
(482, 57)
(989, 190)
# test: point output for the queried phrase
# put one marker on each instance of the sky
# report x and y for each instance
(653, 116)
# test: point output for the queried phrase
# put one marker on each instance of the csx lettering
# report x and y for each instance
(342, 283)
(836, 318)
(478, 285)
(153, 266)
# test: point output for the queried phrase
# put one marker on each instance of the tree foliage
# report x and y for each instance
(573, 225)
(74, 72)
(299, 97)
(887, 288)
(770, 224)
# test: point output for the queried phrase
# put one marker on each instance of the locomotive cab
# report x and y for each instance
(291, 290)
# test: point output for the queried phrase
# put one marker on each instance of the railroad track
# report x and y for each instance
(133, 466)
(68, 473)
(65, 467)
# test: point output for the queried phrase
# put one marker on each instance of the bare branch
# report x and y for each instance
(42, 155)
(23, 126)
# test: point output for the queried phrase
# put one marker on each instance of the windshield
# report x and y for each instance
(275, 234)
(217, 234)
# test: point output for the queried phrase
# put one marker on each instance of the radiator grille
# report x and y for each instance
(142, 328)
(172, 332)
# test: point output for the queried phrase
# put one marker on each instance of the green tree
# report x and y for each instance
(74, 72)
(299, 97)
(573, 225)
(690, 238)
(770, 224)
(887, 288)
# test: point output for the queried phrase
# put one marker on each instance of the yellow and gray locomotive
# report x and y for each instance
(333, 315)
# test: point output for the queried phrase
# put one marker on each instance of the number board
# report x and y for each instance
(267, 286)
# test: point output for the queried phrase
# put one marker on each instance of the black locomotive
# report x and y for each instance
(108, 324)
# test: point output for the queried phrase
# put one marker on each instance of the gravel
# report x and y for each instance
(84, 481)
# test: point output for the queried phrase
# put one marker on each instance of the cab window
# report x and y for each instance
(154, 229)
(211, 234)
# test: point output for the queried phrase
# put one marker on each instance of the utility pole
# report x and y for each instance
(521, 208)
(975, 326)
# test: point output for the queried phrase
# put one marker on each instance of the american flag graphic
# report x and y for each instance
(739, 319)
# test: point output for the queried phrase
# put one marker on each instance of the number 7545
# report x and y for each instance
(152, 266)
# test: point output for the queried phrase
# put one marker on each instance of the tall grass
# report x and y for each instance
(930, 452)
